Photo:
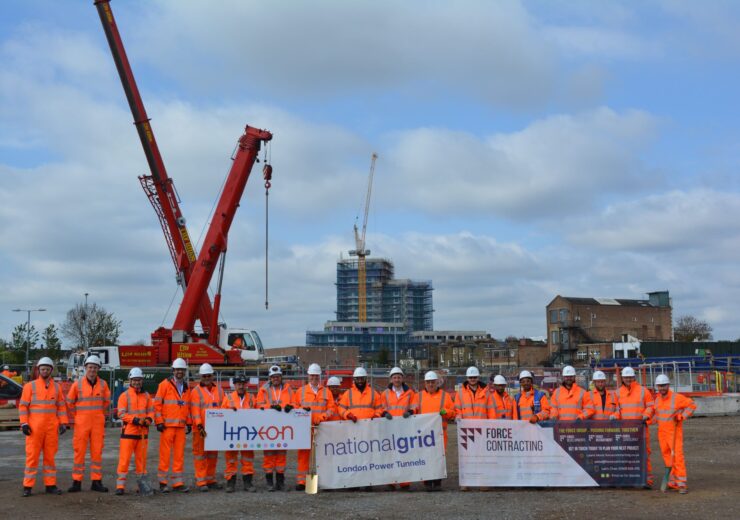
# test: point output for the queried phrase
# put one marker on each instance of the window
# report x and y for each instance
(563, 315)
(581, 355)
(554, 337)
(553, 316)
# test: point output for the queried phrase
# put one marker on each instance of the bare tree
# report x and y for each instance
(689, 328)
(91, 326)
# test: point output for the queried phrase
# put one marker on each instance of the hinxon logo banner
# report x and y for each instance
(257, 430)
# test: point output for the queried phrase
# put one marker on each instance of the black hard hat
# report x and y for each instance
(240, 378)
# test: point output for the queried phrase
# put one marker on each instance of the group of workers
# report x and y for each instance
(177, 409)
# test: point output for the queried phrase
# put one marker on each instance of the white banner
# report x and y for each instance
(251, 429)
(514, 453)
(379, 451)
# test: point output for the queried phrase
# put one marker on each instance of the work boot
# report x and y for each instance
(270, 485)
(27, 491)
(231, 485)
(280, 482)
(429, 485)
(300, 487)
(437, 485)
(683, 491)
(215, 485)
(53, 490)
(76, 487)
(119, 492)
(163, 488)
(248, 486)
(97, 485)
(181, 489)
(203, 488)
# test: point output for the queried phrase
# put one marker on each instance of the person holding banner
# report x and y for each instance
(530, 404)
(500, 404)
(636, 404)
(314, 398)
(398, 399)
(239, 399)
(472, 400)
(605, 403)
(276, 396)
(435, 401)
(136, 411)
(671, 410)
(334, 384)
(202, 397)
(172, 417)
(569, 401)
(361, 401)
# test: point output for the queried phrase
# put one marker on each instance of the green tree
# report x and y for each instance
(22, 335)
(689, 328)
(51, 341)
(91, 326)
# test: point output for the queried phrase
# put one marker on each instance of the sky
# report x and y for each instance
(527, 149)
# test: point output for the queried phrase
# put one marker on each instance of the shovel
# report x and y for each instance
(312, 479)
(667, 475)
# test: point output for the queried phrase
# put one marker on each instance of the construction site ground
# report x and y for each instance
(712, 447)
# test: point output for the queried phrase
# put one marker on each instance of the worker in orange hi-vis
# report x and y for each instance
(671, 410)
(605, 403)
(530, 404)
(7, 372)
(434, 400)
(277, 396)
(43, 417)
(239, 399)
(334, 384)
(500, 403)
(317, 399)
(472, 397)
(636, 404)
(136, 411)
(88, 401)
(205, 395)
(570, 402)
(172, 417)
(398, 400)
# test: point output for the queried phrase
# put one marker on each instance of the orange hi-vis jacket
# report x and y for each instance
(268, 396)
(469, 405)
(320, 402)
(635, 402)
(201, 399)
(500, 407)
(333, 414)
(86, 401)
(41, 404)
(234, 402)
(604, 408)
(363, 405)
(670, 434)
(133, 404)
(171, 407)
(525, 405)
(570, 405)
(436, 403)
(396, 405)
(666, 410)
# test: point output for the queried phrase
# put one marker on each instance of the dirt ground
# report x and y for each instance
(712, 454)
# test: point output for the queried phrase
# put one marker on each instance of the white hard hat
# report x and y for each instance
(499, 380)
(359, 372)
(93, 360)
(205, 369)
(431, 376)
(395, 370)
(472, 372)
(43, 361)
(599, 376)
(6, 367)
(662, 379)
(628, 372)
(179, 363)
(135, 372)
(568, 371)
(525, 373)
(334, 381)
(274, 371)
(314, 369)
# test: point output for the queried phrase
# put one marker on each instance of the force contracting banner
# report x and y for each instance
(249, 429)
(572, 454)
(379, 451)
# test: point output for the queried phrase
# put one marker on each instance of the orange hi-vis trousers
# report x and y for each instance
(172, 446)
(88, 430)
(233, 458)
(45, 437)
(678, 477)
(128, 447)
(667, 408)
(275, 460)
(205, 462)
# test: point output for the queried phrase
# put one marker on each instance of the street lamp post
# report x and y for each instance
(28, 332)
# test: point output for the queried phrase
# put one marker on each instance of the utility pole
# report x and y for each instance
(28, 333)
(84, 327)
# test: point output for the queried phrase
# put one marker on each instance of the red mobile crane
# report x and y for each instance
(216, 344)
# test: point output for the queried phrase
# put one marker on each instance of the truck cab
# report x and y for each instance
(247, 341)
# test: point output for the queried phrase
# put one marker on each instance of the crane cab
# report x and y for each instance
(246, 341)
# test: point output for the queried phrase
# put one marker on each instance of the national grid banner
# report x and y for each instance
(379, 451)
(572, 454)
(258, 430)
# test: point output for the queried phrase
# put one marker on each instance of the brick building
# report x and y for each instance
(574, 321)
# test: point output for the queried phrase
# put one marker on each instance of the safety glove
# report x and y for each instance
(62, 429)
(288, 408)
(388, 416)
(160, 427)
(136, 421)
(276, 407)
(407, 414)
(443, 412)
(188, 429)
(202, 431)
(352, 417)
(26, 429)
(307, 408)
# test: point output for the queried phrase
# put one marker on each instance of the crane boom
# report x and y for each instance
(360, 252)
(158, 186)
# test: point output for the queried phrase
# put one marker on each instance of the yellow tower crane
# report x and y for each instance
(360, 252)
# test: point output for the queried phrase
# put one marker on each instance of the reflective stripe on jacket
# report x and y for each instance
(602, 411)
(269, 395)
(201, 399)
(569, 405)
(363, 405)
(500, 407)
(88, 399)
(133, 404)
(530, 403)
(667, 408)
(38, 399)
(469, 405)
(171, 407)
(397, 405)
(321, 402)
(635, 402)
